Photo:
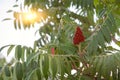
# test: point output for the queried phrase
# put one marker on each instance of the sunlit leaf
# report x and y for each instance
(10, 48)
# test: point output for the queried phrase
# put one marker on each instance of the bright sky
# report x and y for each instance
(8, 34)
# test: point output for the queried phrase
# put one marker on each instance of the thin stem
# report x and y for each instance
(79, 48)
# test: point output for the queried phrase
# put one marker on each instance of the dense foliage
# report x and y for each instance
(58, 51)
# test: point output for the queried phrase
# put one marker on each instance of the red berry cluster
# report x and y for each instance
(53, 51)
(78, 37)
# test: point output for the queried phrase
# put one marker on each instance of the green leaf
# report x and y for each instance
(62, 67)
(95, 45)
(19, 24)
(9, 11)
(23, 53)
(18, 52)
(85, 78)
(100, 39)
(31, 75)
(38, 74)
(68, 48)
(118, 43)
(32, 56)
(106, 33)
(1, 78)
(102, 12)
(35, 44)
(19, 71)
(96, 2)
(10, 48)
(7, 71)
(4, 47)
(46, 66)
(68, 66)
(6, 19)
(53, 66)
(15, 24)
(116, 56)
(99, 64)
(2, 62)
(15, 5)
(41, 65)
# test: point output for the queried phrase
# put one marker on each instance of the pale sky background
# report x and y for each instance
(8, 34)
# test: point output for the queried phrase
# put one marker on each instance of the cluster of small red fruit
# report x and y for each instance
(78, 36)
(77, 39)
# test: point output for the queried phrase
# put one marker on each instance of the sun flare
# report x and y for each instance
(30, 16)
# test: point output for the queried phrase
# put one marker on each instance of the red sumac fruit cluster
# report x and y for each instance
(78, 36)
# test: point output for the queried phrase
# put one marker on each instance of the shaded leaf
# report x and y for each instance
(7, 71)
(19, 71)
(6, 19)
(18, 52)
(15, 5)
(9, 11)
